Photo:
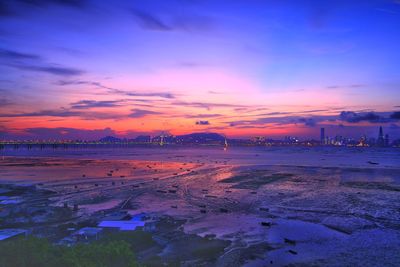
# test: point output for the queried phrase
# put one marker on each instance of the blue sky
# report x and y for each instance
(246, 67)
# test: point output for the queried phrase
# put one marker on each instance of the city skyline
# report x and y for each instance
(88, 69)
(215, 139)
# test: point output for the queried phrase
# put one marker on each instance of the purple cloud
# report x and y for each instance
(202, 123)
(139, 113)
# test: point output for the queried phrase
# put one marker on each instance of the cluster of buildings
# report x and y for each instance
(216, 139)
(381, 141)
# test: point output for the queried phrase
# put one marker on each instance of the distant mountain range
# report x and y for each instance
(193, 138)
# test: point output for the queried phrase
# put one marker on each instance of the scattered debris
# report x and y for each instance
(289, 241)
(162, 191)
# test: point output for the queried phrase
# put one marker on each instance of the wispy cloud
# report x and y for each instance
(310, 122)
(313, 120)
(169, 22)
(65, 113)
(283, 120)
(67, 133)
(55, 70)
(345, 86)
(44, 113)
(151, 94)
(202, 123)
(205, 105)
(15, 55)
(353, 117)
(114, 91)
(150, 22)
(87, 104)
(35, 63)
(202, 116)
(4, 101)
(43, 3)
(139, 113)
(10, 8)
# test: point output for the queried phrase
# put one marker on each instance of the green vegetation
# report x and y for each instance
(35, 252)
(138, 240)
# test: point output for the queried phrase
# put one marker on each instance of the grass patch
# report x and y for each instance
(36, 252)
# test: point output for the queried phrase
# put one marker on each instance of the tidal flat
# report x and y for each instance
(200, 211)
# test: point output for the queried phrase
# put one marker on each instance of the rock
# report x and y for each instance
(289, 241)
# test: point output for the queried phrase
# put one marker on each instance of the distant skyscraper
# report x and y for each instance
(322, 136)
(386, 140)
(381, 140)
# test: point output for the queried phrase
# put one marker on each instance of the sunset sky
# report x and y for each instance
(86, 69)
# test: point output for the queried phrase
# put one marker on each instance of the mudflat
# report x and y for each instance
(198, 211)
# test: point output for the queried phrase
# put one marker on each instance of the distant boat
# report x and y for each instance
(225, 144)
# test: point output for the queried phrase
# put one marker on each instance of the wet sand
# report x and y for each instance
(270, 215)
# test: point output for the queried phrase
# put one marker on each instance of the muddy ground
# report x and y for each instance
(222, 214)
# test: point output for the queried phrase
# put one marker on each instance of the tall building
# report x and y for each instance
(386, 140)
(381, 140)
(322, 136)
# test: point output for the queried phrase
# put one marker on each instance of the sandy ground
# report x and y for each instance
(273, 215)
